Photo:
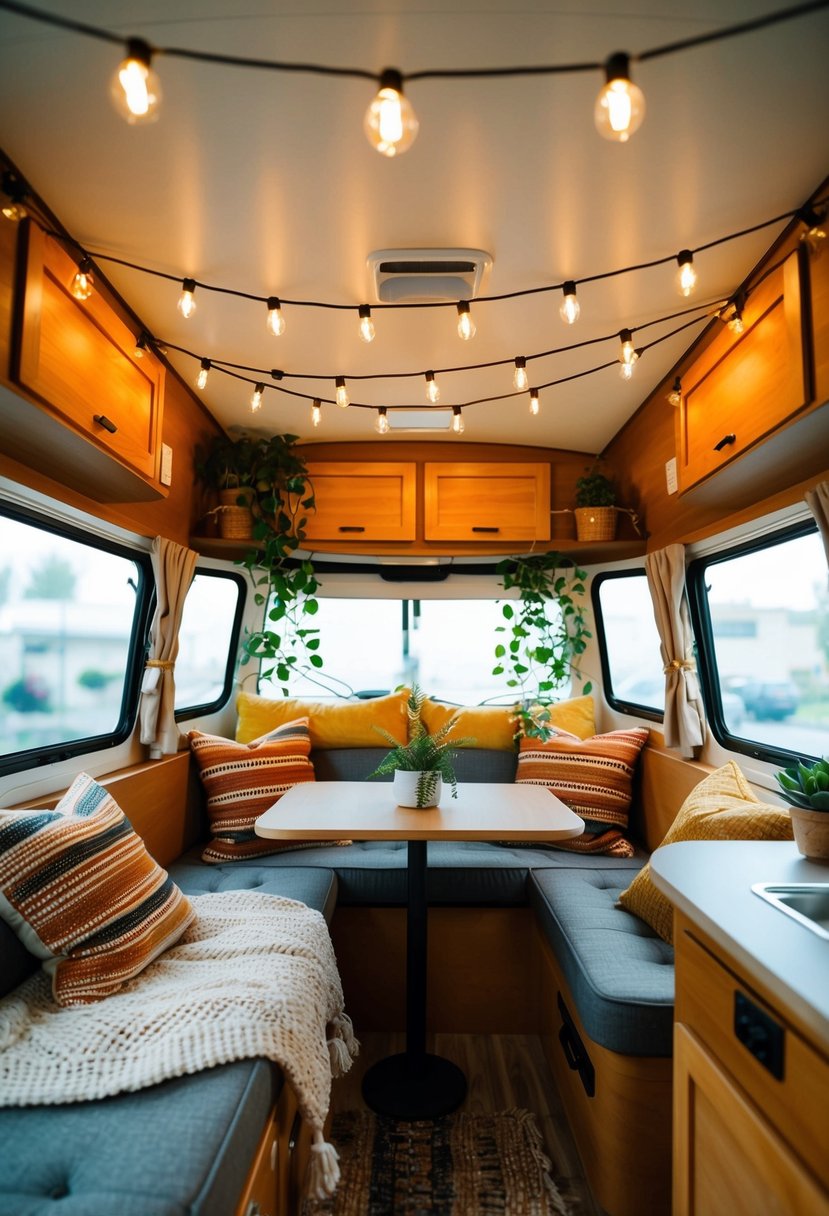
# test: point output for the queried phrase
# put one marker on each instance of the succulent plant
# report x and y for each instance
(806, 785)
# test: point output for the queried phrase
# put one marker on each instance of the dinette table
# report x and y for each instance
(417, 1084)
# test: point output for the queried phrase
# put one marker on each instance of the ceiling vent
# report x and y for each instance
(423, 275)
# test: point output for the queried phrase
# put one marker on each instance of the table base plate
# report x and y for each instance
(394, 1087)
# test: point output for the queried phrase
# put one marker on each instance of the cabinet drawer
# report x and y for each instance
(362, 501)
(487, 502)
(260, 1195)
(77, 357)
(743, 388)
(709, 1000)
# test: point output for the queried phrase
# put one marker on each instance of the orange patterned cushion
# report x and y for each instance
(83, 894)
(241, 780)
(594, 777)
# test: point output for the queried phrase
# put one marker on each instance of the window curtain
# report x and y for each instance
(173, 567)
(817, 500)
(684, 713)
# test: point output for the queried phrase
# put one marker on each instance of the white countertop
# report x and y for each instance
(711, 880)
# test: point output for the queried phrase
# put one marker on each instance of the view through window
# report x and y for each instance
(205, 638)
(631, 641)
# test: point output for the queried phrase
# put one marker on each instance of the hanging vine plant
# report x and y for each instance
(540, 649)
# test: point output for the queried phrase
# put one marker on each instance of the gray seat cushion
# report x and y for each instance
(619, 972)
(183, 1148)
(355, 764)
(315, 886)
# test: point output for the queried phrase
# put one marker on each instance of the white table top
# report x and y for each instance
(366, 810)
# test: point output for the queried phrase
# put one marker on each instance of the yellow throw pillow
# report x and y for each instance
(332, 723)
(494, 726)
(722, 807)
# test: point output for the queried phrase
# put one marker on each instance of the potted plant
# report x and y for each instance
(226, 465)
(806, 788)
(422, 765)
(595, 506)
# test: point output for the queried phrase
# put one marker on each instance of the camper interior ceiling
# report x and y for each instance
(414, 624)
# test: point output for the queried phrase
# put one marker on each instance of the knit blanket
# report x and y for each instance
(254, 975)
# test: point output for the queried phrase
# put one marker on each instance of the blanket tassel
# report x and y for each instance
(339, 1056)
(323, 1169)
(345, 1030)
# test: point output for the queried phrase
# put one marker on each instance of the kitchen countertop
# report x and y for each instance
(711, 880)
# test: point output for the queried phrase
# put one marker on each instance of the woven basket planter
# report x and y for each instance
(235, 522)
(595, 523)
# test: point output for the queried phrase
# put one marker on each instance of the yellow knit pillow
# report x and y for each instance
(494, 726)
(332, 723)
(722, 807)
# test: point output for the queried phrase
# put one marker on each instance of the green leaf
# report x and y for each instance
(507, 612)
(315, 660)
(500, 651)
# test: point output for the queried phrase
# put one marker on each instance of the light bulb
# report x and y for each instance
(627, 355)
(186, 301)
(686, 275)
(815, 235)
(204, 372)
(620, 106)
(675, 395)
(14, 209)
(140, 345)
(519, 376)
(367, 330)
(390, 122)
(256, 399)
(457, 420)
(381, 426)
(570, 307)
(735, 321)
(534, 406)
(275, 321)
(83, 281)
(316, 412)
(135, 89)
(432, 388)
(342, 392)
(466, 326)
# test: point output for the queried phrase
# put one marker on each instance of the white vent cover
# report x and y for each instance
(427, 274)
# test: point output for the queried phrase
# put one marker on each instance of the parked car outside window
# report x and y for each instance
(770, 700)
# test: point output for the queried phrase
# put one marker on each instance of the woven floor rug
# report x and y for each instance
(459, 1165)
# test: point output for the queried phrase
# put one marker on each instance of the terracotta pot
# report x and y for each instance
(595, 523)
(405, 785)
(811, 832)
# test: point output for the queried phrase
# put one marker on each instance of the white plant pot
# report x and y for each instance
(405, 785)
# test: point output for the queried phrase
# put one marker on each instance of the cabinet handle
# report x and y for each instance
(724, 442)
(351, 528)
(293, 1134)
(486, 529)
(103, 421)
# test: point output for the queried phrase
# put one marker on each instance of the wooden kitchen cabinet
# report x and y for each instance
(486, 502)
(362, 501)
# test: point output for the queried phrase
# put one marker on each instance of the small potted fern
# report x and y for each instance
(806, 788)
(422, 765)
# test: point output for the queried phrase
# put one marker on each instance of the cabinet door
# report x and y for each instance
(362, 501)
(78, 358)
(742, 388)
(260, 1197)
(728, 1160)
(487, 502)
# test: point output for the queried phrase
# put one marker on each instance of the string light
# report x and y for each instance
(316, 412)
(83, 281)
(466, 326)
(342, 392)
(458, 425)
(14, 209)
(534, 406)
(627, 355)
(204, 372)
(735, 322)
(367, 330)
(815, 234)
(620, 106)
(675, 395)
(275, 321)
(390, 123)
(186, 301)
(381, 426)
(686, 275)
(432, 388)
(570, 307)
(140, 345)
(256, 399)
(519, 376)
(135, 88)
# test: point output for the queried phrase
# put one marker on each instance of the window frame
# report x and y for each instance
(707, 669)
(53, 753)
(623, 706)
(207, 707)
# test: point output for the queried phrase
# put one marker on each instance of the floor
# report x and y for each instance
(503, 1071)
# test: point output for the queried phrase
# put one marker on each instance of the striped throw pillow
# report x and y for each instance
(241, 780)
(594, 777)
(82, 893)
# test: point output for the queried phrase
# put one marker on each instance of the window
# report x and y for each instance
(629, 642)
(73, 615)
(208, 638)
(762, 612)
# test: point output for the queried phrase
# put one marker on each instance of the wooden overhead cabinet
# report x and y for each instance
(362, 501)
(487, 502)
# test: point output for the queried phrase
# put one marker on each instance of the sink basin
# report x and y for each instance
(805, 902)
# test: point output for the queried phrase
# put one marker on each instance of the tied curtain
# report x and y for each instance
(684, 713)
(173, 567)
(817, 500)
